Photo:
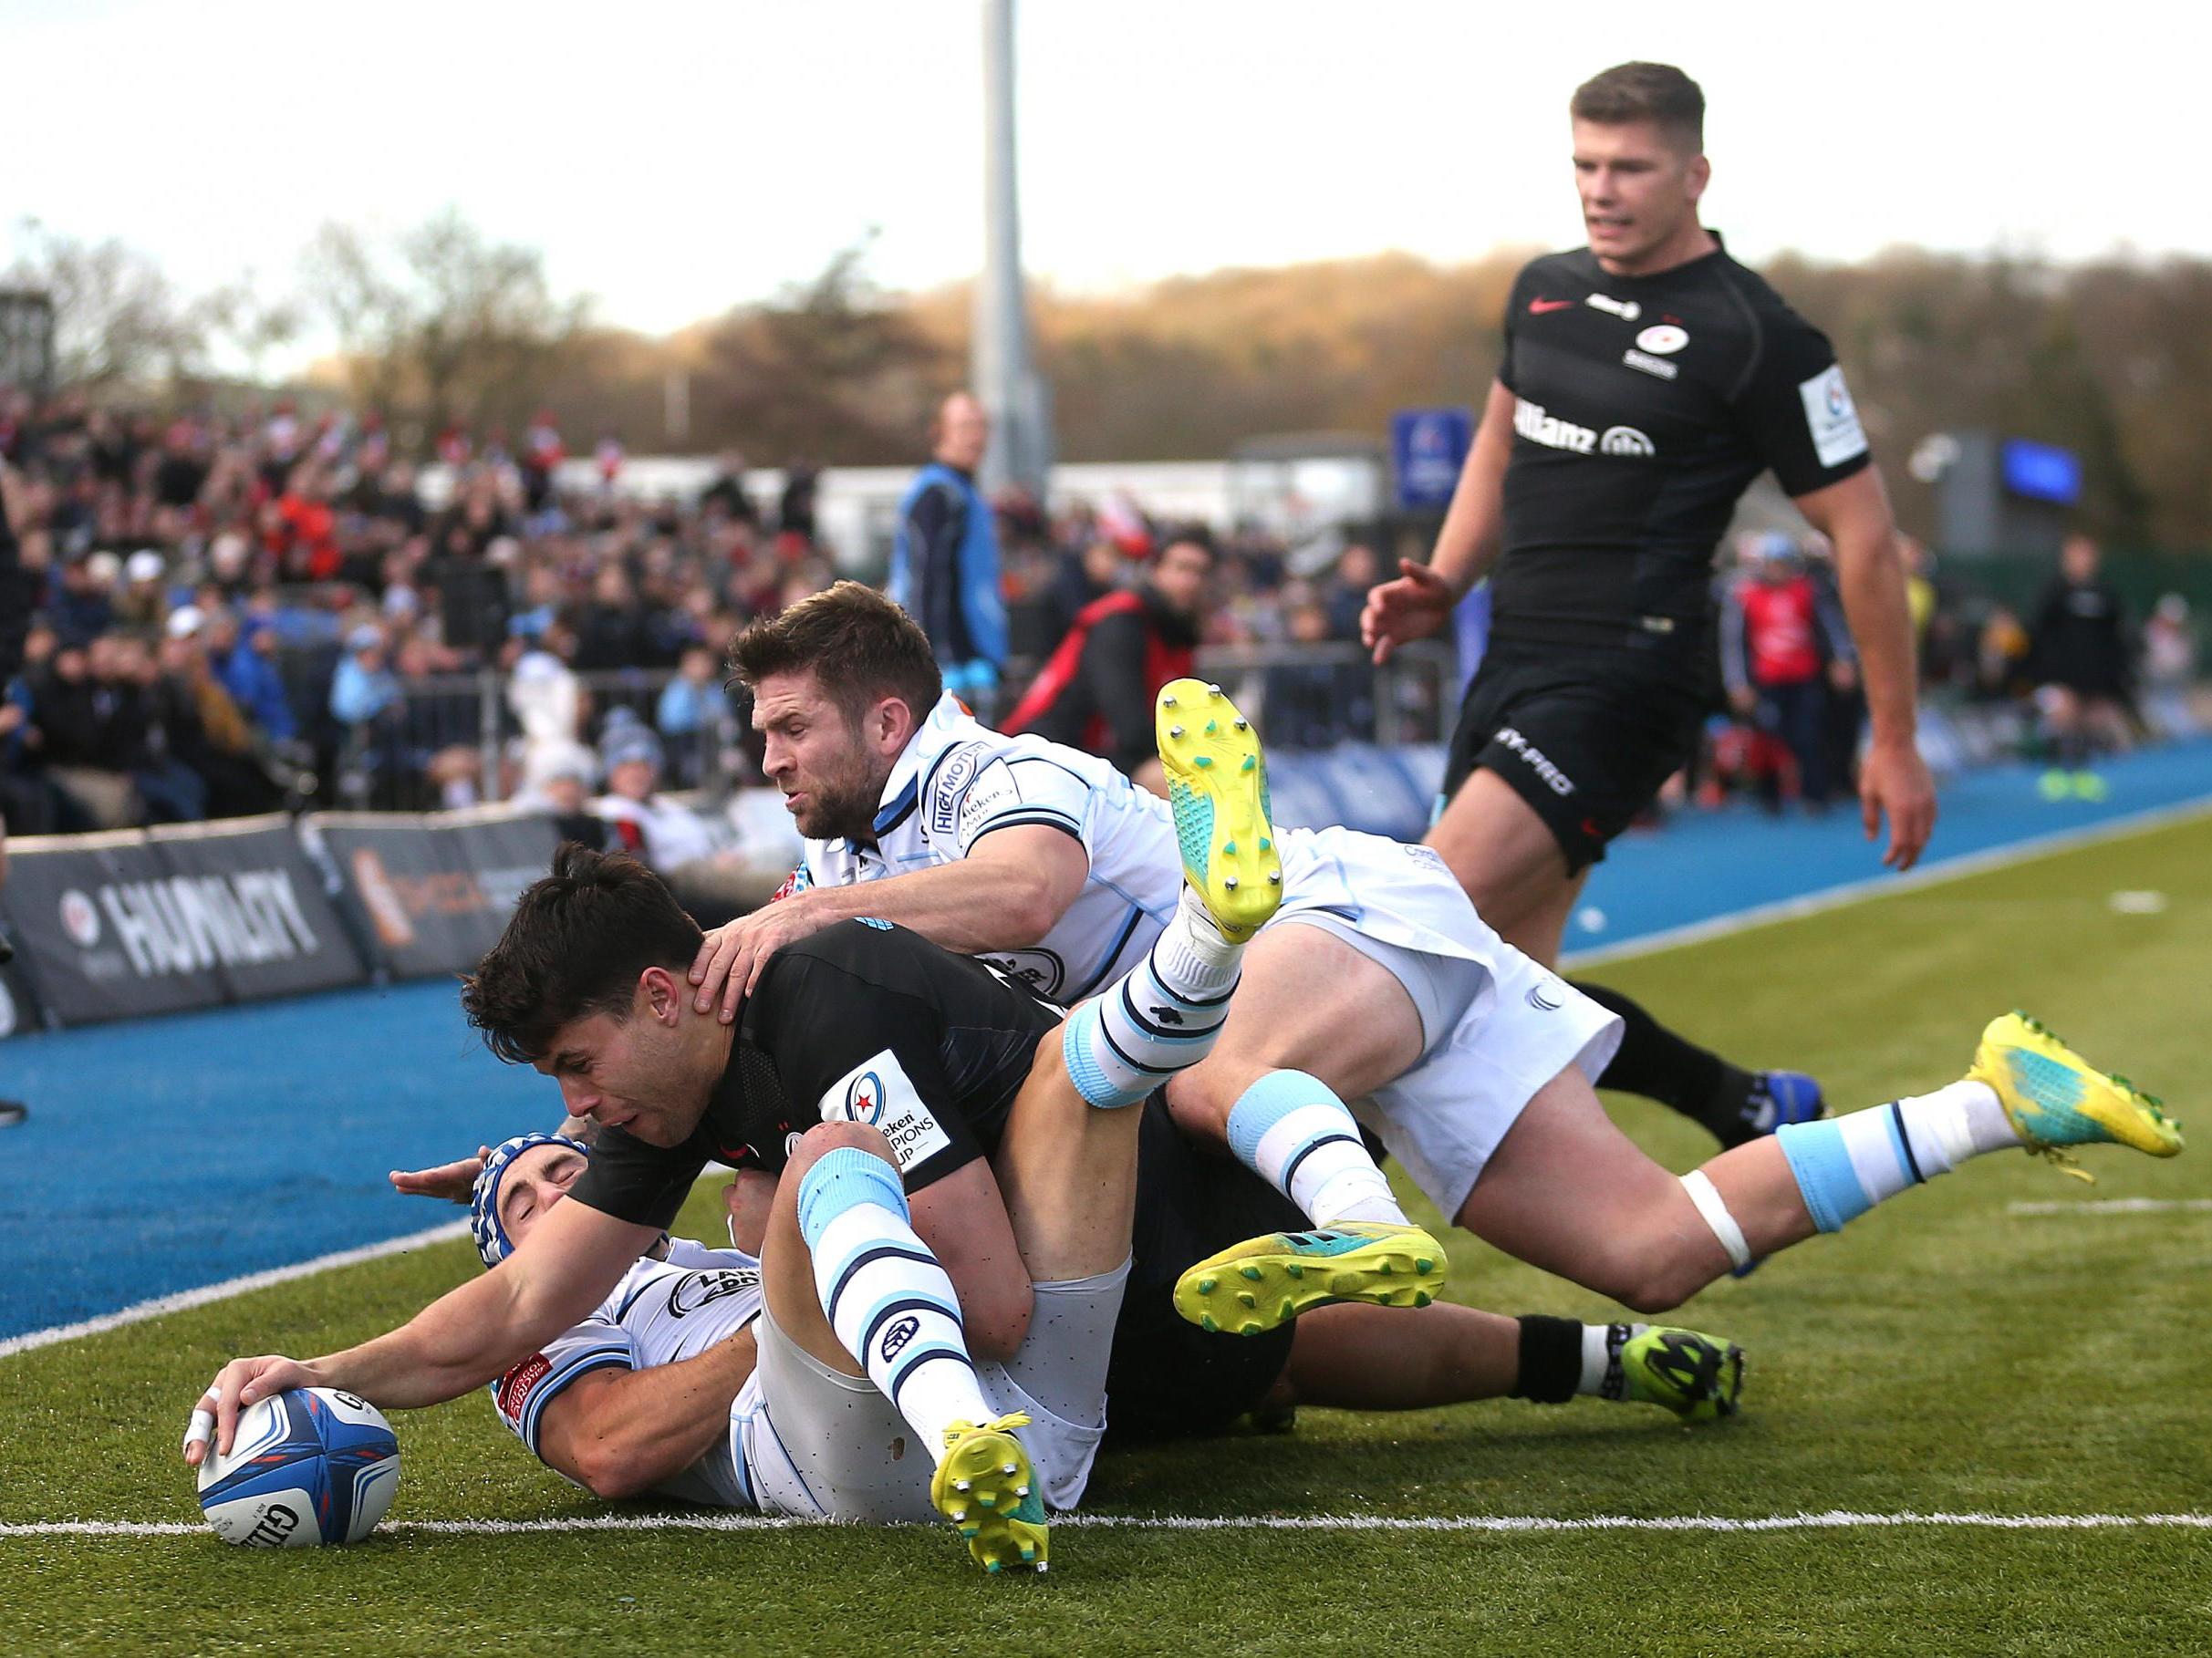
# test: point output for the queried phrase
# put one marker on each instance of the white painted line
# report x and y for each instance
(1832, 1519)
(2117, 1206)
(185, 1298)
(1881, 886)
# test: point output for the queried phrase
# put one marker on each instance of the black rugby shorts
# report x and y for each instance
(1585, 738)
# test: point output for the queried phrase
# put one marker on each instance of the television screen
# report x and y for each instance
(2043, 472)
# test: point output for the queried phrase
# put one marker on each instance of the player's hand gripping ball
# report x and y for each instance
(312, 1465)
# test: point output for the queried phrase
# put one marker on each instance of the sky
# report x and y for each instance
(674, 159)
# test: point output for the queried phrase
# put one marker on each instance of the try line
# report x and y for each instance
(1832, 1519)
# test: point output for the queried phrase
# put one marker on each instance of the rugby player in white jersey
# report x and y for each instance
(871, 1065)
(1375, 982)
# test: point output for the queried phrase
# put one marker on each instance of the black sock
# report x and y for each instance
(1656, 1063)
(1551, 1360)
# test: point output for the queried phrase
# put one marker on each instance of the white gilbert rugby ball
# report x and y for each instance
(313, 1465)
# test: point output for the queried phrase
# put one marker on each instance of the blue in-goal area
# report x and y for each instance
(169, 1154)
(175, 1153)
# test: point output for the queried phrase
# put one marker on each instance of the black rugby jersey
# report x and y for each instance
(861, 1023)
(1646, 406)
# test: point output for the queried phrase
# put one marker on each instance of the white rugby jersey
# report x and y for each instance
(661, 1311)
(957, 780)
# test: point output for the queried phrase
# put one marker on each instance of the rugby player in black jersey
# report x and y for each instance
(1647, 379)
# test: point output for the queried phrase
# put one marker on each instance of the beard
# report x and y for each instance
(845, 808)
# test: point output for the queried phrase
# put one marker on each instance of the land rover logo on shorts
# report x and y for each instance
(1624, 441)
(79, 920)
(1662, 339)
(863, 1099)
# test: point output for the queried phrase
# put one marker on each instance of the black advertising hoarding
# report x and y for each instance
(433, 892)
(102, 935)
(256, 907)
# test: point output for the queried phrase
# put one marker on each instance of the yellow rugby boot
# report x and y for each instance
(1217, 785)
(1264, 1282)
(2054, 1098)
(987, 1489)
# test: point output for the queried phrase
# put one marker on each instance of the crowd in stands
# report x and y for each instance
(238, 613)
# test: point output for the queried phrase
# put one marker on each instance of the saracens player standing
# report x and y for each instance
(1648, 378)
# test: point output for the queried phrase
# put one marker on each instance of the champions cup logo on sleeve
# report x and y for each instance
(1832, 418)
(878, 1091)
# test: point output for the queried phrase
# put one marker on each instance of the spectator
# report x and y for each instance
(794, 508)
(2169, 668)
(364, 686)
(91, 729)
(1783, 650)
(2084, 670)
(560, 786)
(245, 660)
(207, 733)
(690, 711)
(81, 610)
(144, 600)
(546, 696)
(695, 855)
(1096, 692)
(945, 557)
(727, 493)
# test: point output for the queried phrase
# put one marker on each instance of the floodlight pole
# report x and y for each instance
(1005, 378)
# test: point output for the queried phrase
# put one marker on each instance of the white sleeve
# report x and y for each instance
(525, 1392)
(1018, 789)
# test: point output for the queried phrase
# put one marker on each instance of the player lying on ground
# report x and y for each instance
(905, 1061)
(660, 1389)
(1376, 979)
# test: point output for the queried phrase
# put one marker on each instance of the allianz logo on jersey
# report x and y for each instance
(1532, 423)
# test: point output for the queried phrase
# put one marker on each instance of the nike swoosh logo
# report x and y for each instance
(1537, 307)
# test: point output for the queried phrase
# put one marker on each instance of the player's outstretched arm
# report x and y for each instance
(1418, 603)
(1893, 782)
(566, 1265)
(619, 1433)
(1005, 894)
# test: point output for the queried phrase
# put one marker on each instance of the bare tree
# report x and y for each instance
(116, 316)
(443, 322)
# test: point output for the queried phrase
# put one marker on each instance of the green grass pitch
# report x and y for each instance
(1948, 1353)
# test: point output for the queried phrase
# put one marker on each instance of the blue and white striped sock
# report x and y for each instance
(1160, 1018)
(1291, 1130)
(1844, 1165)
(890, 1302)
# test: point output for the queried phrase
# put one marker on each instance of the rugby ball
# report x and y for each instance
(312, 1465)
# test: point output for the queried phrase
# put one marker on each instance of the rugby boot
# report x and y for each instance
(987, 1489)
(1216, 786)
(1266, 1282)
(1697, 1377)
(2054, 1098)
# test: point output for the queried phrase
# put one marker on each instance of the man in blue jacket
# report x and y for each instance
(945, 560)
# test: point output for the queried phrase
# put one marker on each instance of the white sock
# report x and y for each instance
(1601, 1376)
(890, 1302)
(1161, 1017)
(1954, 1123)
(1291, 1130)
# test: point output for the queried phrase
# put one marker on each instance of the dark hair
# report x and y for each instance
(575, 946)
(1189, 535)
(860, 645)
(1655, 92)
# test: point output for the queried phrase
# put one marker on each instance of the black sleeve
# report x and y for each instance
(1113, 671)
(1796, 411)
(632, 1181)
(856, 1027)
